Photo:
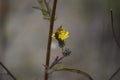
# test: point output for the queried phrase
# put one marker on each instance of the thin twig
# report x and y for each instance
(8, 71)
(41, 9)
(50, 38)
(38, 8)
(48, 9)
(112, 25)
(115, 73)
(56, 61)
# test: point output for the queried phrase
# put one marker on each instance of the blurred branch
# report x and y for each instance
(112, 25)
(117, 42)
(56, 61)
(50, 38)
(8, 71)
(47, 6)
(115, 73)
(4, 9)
(37, 8)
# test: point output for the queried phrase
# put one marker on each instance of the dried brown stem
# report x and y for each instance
(50, 38)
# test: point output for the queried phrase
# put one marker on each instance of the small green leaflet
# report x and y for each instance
(44, 9)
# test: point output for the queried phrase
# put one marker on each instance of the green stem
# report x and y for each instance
(72, 70)
(50, 38)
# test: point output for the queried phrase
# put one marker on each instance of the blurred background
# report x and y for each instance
(91, 40)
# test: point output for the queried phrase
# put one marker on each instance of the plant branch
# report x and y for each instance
(112, 25)
(50, 38)
(56, 61)
(38, 8)
(117, 42)
(115, 73)
(48, 9)
(73, 70)
(8, 71)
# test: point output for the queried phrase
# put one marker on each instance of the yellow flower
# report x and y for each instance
(61, 34)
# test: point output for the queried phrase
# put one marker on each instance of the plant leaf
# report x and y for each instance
(44, 9)
(42, 4)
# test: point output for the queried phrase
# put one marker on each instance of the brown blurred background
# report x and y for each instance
(94, 49)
